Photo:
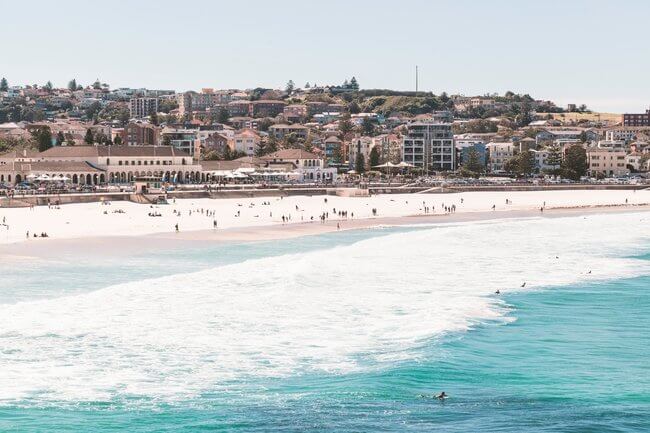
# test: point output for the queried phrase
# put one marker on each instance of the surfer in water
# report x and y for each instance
(442, 396)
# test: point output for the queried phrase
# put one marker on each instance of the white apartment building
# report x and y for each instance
(607, 161)
(429, 145)
(498, 154)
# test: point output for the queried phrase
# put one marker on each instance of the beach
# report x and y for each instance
(250, 219)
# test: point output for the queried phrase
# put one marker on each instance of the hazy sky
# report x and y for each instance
(594, 52)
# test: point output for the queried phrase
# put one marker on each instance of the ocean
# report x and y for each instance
(345, 332)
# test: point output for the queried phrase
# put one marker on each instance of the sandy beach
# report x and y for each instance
(90, 226)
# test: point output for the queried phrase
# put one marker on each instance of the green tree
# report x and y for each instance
(93, 110)
(554, 157)
(522, 164)
(353, 107)
(473, 163)
(60, 138)
(354, 85)
(360, 163)
(290, 87)
(117, 141)
(374, 156)
(574, 165)
(367, 127)
(345, 125)
(272, 144)
(153, 117)
(49, 86)
(337, 155)
(167, 141)
(72, 85)
(308, 145)
(223, 116)
(42, 136)
(583, 137)
(4, 86)
(97, 85)
(307, 86)
(227, 153)
(89, 138)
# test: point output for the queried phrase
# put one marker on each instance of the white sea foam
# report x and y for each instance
(336, 310)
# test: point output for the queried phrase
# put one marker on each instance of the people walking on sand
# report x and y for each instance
(214, 224)
(176, 227)
(338, 226)
(494, 207)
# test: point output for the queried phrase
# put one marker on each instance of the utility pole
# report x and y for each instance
(416, 80)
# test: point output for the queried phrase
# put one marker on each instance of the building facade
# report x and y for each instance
(142, 107)
(429, 145)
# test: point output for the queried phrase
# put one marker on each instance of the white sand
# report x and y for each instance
(89, 220)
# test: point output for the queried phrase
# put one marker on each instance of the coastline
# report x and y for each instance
(140, 244)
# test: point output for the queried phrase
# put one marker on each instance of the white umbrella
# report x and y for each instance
(31, 176)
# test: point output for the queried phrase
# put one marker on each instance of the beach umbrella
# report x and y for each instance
(404, 165)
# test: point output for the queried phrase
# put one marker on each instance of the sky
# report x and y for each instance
(571, 51)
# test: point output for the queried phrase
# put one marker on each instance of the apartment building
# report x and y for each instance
(429, 144)
(142, 107)
(607, 161)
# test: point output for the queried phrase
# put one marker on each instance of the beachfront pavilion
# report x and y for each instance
(121, 164)
(76, 172)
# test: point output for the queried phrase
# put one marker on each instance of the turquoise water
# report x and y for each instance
(558, 358)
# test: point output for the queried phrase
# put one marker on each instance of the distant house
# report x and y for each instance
(607, 161)
(216, 142)
(309, 166)
(246, 141)
(498, 154)
(282, 130)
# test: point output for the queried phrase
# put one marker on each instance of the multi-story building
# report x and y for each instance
(637, 119)
(429, 144)
(194, 101)
(296, 113)
(266, 108)
(140, 134)
(607, 161)
(142, 107)
(281, 130)
(246, 141)
(360, 145)
(498, 154)
(186, 140)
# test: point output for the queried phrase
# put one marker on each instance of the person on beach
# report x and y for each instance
(176, 227)
(214, 224)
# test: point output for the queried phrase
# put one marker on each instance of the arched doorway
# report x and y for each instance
(19, 178)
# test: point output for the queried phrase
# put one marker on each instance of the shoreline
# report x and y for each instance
(143, 243)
